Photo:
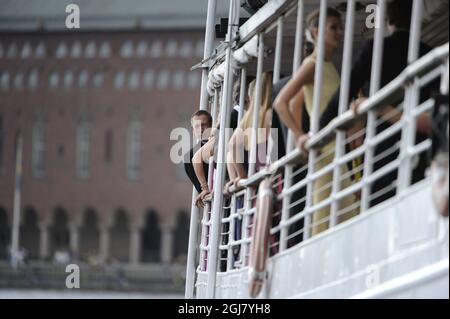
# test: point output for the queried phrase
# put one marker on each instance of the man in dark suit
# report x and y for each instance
(201, 122)
(395, 60)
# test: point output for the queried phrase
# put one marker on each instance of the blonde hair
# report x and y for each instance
(266, 104)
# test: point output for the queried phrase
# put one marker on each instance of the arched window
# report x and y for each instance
(105, 50)
(141, 50)
(61, 51)
(133, 80)
(149, 78)
(194, 80)
(40, 50)
(4, 81)
(119, 80)
(199, 49)
(76, 50)
(178, 79)
(18, 81)
(171, 48)
(156, 50)
(83, 79)
(33, 79)
(163, 79)
(97, 79)
(26, 51)
(186, 49)
(12, 51)
(53, 80)
(127, 50)
(90, 50)
(68, 79)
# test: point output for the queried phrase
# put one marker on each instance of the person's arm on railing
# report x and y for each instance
(202, 155)
(387, 113)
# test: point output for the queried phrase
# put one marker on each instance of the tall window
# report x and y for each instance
(26, 51)
(12, 51)
(83, 148)
(163, 79)
(33, 79)
(4, 81)
(40, 50)
(171, 48)
(105, 50)
(134, 149)
(126, 51)
(62, 50)
(90, 50)
(38, 155)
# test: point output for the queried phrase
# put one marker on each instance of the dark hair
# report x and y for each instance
(399, 13)
(312, 21)
(205, 113)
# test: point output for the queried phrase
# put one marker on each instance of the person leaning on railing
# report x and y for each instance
(240, 142)
(394, 62)
(208, 150)
(201, 122)
(303, 80)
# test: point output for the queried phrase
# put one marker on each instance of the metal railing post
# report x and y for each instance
(253, 143)
(193, 228)
(375, 82)
(343, 105)
(216, 214)
(298, 52)
(315, 115)
(411, 101)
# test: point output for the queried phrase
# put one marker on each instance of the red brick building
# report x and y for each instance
(96, 107)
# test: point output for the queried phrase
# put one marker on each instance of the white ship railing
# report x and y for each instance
(224, 246)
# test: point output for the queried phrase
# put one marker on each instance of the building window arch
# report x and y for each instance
(33, 79)
(119, 80)
(12, 51)
(90, 50)
(163, 79)
(40, 50)
(53, 80)
(171, 48)
(105, 50)
(156, 49)
(127, 50)
(26, 51)
(178, 80)
(133, 80)
(186, 49)
(76, 50)
(62, 51)
(18, 81)
(149, 78)
(68, 79)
